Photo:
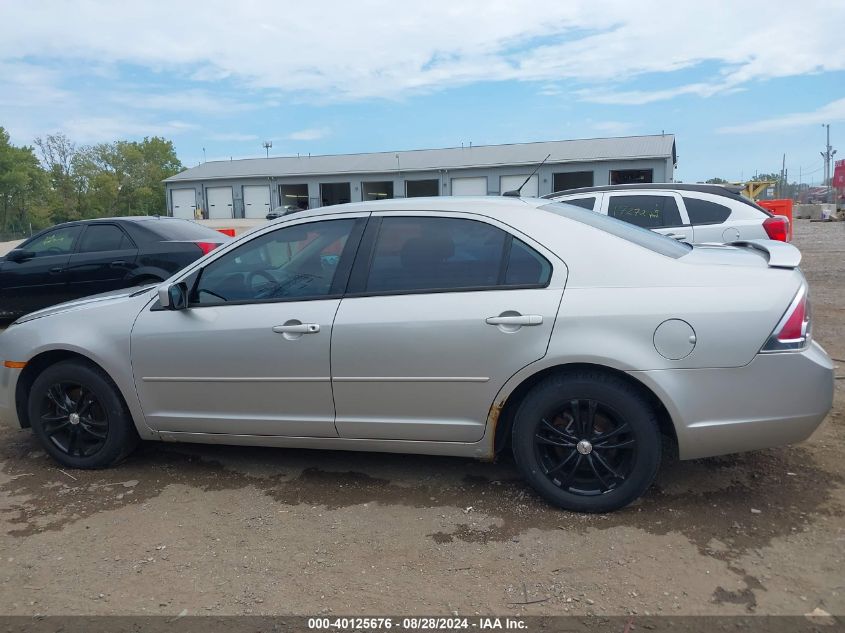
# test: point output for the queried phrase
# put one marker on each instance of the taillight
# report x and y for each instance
(207, 247)
(793, 330)
(777, 228)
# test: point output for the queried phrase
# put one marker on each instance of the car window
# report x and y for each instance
(526, 267)
(649, 212)
(415, 254)
(294, 262)
(103, 237)
(584, 203)
(57, 242)
(706, 212)
(179, 229)
(642, 237)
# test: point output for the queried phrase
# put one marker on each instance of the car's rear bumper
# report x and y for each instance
(776, 399)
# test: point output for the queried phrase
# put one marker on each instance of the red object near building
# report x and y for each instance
(780, 207)
(839, 174)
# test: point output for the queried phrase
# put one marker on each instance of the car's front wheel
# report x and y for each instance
(587, 441)
(79, 416)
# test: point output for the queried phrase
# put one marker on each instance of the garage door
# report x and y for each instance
(469, 186)
(530, 190)
(183, 203)
(219, 202)
(256, 201)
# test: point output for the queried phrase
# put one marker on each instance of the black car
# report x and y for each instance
(278, 212)
(76, 259)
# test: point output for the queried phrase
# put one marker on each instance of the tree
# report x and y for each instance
(23, 185)
(58, 153)
(141, 167)
(716, 181)
(72, 182)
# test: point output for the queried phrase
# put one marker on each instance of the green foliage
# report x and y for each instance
(23, 185)
(72, 182)
(716, 181)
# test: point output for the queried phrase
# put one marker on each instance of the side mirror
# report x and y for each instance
(174, 296)
(19, 255)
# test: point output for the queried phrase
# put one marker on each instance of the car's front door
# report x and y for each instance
(250, 355)
(102, 261)
(440, 312)
(42, 279)
(659, 211)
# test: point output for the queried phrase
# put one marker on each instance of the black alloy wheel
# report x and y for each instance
(79, 415)
(585, 448)
(73, 419)
(587, 441)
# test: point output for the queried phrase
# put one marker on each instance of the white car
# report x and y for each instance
(686, 212)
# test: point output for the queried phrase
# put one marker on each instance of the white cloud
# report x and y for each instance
(830, 113)
(375, 51)
(233, 137)
(96, 129)
(189, 100)
(643, 97)
(308, 134)
(97, 67)
(613, 128)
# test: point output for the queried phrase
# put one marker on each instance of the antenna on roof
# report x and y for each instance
(516, 192)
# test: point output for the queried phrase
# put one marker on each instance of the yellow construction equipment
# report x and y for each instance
(754, 188)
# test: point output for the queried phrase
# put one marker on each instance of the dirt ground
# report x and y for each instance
(220, 530)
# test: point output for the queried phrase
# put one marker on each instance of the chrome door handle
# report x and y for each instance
(523, 319)
(118, 263)
(300, 328)
(675, 236)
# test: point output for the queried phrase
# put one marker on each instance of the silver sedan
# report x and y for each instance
(446, 326)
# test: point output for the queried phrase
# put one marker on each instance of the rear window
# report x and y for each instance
(584, 203)
(706, 212)
(630, 232)
(177, 229)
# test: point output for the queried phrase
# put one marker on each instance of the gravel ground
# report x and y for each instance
(222, 530)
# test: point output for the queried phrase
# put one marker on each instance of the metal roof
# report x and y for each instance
(582, 150)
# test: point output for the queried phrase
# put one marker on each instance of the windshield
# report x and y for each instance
(642, 237)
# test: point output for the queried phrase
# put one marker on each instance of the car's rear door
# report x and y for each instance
(659, 211)
(250, 354)
(104, 259)
(718, 219)
(440, 312)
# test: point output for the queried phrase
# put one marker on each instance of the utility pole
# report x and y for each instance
(267, 145)
(782, 172)
(827, 154)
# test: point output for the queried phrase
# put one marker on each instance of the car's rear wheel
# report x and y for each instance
(79, 416)
(587, 441)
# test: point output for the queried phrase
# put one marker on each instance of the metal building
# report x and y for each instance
(249, 188)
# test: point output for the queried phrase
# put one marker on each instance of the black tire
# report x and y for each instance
(102, 433)
(621, 455)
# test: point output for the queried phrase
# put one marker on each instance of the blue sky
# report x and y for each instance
(369, 75)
